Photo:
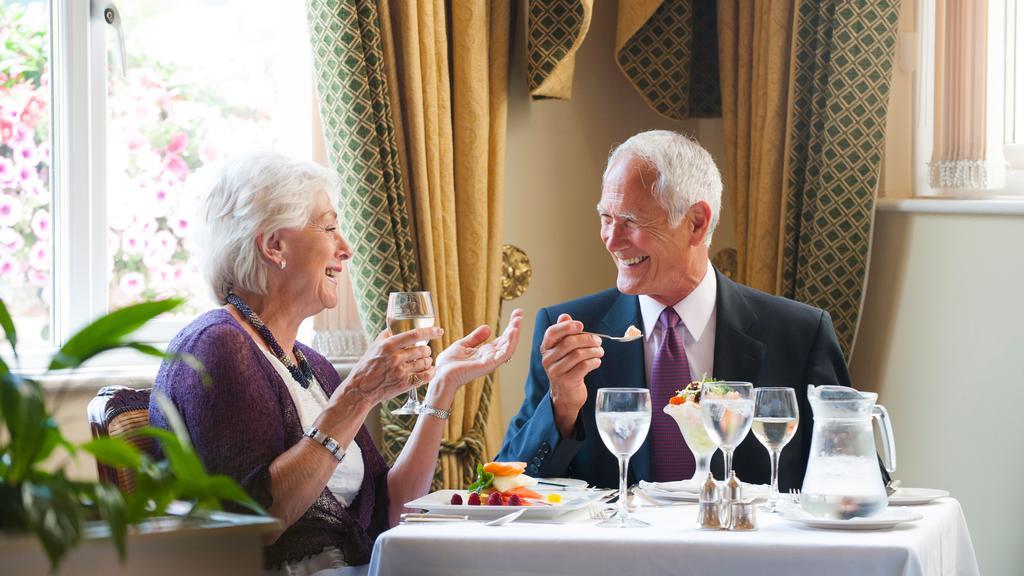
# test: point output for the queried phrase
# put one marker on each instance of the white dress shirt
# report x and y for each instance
(697, 311)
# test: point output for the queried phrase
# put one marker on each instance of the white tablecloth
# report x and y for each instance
(939, 544)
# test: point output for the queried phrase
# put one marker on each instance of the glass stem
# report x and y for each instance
(775, 479)
(728, 463)
(623, 491)
(414, 398)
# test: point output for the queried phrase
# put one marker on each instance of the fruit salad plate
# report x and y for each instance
(441, 502)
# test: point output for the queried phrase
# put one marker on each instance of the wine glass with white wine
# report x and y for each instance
(623, 418)
(408, 311)
(776, 417)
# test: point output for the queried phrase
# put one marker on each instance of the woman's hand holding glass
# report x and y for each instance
(393, 364)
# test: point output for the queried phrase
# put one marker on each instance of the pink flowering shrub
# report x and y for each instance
(164, 129)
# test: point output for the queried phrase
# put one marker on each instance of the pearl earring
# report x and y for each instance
(283, 264)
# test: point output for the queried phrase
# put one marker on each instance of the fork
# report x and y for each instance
(600, 511)
(794, 495)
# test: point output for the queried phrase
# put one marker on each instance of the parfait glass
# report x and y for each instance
(407, 311)
(688, 417)
(776, 417)
(623, 418)
(727, 409)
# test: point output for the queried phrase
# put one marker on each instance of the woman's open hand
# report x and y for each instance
(469, 358)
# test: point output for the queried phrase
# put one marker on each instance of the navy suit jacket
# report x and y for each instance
(759, 338)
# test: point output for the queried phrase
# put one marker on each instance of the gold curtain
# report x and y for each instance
(449, 65)
(754, 41)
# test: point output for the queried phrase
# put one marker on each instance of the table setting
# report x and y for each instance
(845, 520)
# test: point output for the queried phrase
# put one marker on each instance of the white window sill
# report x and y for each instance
(94, 378)
(994, 206)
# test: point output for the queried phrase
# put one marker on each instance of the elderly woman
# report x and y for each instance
(278, 418)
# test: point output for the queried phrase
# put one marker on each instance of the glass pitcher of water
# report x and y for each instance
(843, 480)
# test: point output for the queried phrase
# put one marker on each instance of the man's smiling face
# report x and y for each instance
(652, 256)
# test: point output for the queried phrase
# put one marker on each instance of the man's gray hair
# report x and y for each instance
(255, 193)
(686, 171)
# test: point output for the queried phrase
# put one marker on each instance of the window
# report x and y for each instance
(970, 94)
(104, 158)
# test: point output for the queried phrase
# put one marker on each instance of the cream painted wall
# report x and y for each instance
(941, 343)
(556, 153)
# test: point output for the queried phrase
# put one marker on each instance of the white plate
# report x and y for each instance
(568, 484)
(688, 490)
(440, 502)
(888, 518)
(915, 496)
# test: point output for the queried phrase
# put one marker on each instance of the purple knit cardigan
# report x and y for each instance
(247, 418)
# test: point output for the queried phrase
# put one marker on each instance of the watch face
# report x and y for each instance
(331, 445)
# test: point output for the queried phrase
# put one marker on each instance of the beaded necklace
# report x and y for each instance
(302, 373)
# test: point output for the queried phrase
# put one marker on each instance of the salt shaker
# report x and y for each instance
(708, 513)
(743, 516)
(733, 493)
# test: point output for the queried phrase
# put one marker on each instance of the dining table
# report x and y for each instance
(937, 544)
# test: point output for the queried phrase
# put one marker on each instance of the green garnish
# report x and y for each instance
(483, 480)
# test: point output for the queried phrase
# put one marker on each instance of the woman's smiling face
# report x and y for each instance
(314, 256)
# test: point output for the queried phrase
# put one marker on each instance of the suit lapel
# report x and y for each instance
(737, 354)
(624, 365)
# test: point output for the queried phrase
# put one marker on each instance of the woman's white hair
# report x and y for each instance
(256, 193)
(686, 171)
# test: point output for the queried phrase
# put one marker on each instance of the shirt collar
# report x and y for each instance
(694, 310)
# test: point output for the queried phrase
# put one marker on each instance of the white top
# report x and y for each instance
(309, 403)
(697, 311)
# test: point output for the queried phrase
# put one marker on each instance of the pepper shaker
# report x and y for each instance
(733, 493)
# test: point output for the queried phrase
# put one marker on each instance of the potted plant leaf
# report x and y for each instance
(61, 512)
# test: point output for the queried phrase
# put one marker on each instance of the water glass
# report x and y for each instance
(727, 409)
(623, 418)
(776, 417)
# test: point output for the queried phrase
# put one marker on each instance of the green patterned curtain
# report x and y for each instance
(668, 49)
(842, 64)
(355, 107)
(555, 29)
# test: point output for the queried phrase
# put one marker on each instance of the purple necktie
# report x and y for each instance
(670, 371)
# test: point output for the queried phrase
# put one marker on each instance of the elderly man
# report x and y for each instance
(660, 203)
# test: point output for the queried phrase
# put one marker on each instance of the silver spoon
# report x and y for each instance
(506, 518)
(617, 338)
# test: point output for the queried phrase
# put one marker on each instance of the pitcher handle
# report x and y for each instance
(880, 414)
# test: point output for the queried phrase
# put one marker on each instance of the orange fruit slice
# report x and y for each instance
(505, 468)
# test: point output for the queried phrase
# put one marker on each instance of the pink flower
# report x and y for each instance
(8, 174)
(39, 255)
(10, 210)
(180, 225)
(25, 154)
(161, 194)
(132, 284)
(21, 134)
(10, 114)
(10, 240)
(177, 143)
(41, 224)
(133, 241)
(136, 141)
(176, 166)
(39, 277)
(9, 267)
(208, 153)
(160, 248)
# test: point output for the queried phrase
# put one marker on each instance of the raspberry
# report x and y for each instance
(515, 500)
(457, 499)
(494, 499)
(474, 499)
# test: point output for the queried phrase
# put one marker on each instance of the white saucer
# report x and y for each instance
(888, 518)
(914, 496)
(689, 491)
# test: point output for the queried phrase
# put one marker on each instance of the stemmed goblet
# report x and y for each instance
(407, 311)
(623, 418)
(727, 409)
(776, 417)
